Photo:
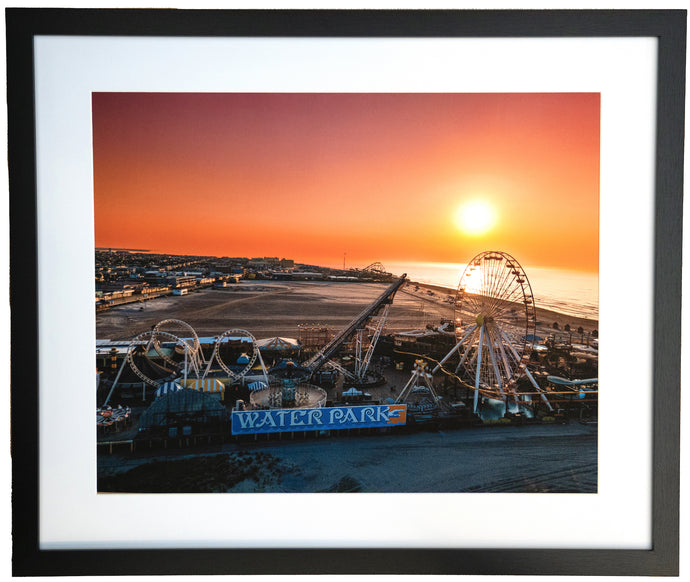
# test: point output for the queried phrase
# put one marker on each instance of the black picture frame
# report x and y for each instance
(668, 26)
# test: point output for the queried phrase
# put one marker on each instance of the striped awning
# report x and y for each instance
(205, 385)
(166, 388)
(254, 386)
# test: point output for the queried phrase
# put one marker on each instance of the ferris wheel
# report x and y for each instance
(495, 324)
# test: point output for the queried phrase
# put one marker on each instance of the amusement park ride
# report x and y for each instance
(495, 325)
(187, 356)
(370, 319)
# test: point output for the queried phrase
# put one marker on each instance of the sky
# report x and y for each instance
(329, 179)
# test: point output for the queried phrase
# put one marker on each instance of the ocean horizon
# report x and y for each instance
(569, 292)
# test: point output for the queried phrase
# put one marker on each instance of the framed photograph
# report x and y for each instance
(353, 273)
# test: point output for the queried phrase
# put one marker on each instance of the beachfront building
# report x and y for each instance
(185, 412)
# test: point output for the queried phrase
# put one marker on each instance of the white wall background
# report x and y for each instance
(4, 313)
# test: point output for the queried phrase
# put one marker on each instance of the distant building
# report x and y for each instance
(156, 277)
(111, 295)
(257, 264)
(307, 275)
(182, 281)
(296, 276)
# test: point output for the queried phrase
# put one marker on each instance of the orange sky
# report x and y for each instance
(377, 176)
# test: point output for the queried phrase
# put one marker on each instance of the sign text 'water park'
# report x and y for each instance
(262, 421)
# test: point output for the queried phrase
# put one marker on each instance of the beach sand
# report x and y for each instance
(276, 308)
(532, 458)
(498, 459)
(545, 317)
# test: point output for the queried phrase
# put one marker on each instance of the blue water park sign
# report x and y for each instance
(336, 418)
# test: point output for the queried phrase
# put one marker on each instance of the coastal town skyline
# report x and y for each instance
(357, 178)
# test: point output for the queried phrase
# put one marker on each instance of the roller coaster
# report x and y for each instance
(176, 345)
(379, 310)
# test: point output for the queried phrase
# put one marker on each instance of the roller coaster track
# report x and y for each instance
(324, 354)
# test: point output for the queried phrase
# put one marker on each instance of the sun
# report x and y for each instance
(475, 218)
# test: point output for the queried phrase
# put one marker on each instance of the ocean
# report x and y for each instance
(574, 293)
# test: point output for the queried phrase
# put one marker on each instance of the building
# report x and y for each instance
(182, 281)
(314, 335)
(185, 412)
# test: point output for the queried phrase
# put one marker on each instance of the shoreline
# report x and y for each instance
(545, 317)
(269, 309)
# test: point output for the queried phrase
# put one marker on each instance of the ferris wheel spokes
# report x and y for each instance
(468, 349)
(509, 371)
(497, 375)
(495, 300)
(455, 349)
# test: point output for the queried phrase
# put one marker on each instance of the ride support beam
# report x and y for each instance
(323, 355)
(364, 364)
(477, 375)
(117, 379)
(464, 356)
(539, 389)
(455, 349)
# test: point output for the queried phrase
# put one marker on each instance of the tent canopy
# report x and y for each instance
(278, 343)
(213, 385)
(257, 386)
(167, 388)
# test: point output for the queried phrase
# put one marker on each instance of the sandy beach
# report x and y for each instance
(276, 308)
(545, 317)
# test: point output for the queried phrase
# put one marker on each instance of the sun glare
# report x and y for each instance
(476, 217)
